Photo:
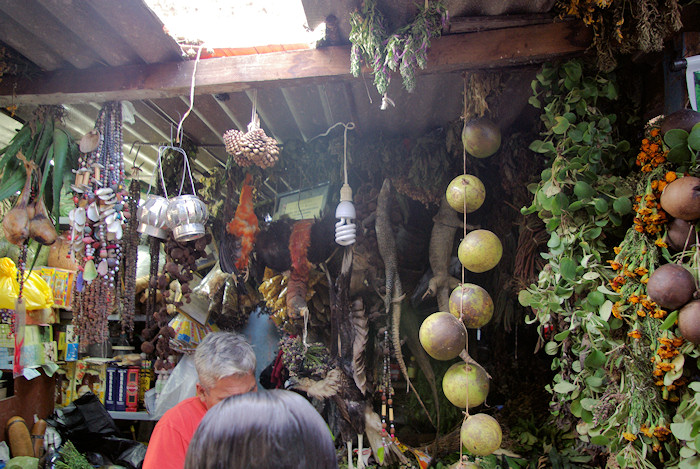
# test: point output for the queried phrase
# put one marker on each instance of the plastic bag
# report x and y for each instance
(36, 292)
(181, 384)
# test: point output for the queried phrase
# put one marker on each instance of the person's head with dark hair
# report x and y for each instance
(270, 429)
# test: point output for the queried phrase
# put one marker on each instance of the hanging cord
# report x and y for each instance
(194, 74)
(464, 235)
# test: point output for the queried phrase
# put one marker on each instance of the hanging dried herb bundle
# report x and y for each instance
(130, 243)
(621, 26)
(404, 50)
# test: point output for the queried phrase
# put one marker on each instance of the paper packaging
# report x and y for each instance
(65, 381)
(132, 388)
(72, 344)
(145, 381)
(91, 375)
(110, 388)
(120, 390)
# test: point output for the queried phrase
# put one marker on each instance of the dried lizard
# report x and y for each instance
(440, 251)
(394, 292)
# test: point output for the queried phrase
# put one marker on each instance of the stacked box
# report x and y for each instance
(120, 390)
(110, 388)
(63, 288)
(145, 381)
(132, 388)
(65, 381)
(91, 375)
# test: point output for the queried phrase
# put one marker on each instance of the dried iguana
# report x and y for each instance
(394, 292)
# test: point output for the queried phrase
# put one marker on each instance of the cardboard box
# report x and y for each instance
(132, 389)
(146, 381)
(65, 381)
(91, 375)
(72, 344)
(120, 394)
(110, 388)
(63, 288)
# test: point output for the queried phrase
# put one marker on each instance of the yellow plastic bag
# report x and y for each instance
(36, 291)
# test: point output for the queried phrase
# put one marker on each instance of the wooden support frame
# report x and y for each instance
(478, 50)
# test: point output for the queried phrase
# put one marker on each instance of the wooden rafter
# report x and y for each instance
(479, 50)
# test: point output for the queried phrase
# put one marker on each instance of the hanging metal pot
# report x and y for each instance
(152, 217)
(186, 216)
(186, 213)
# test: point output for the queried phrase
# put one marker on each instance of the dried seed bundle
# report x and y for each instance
(252, 147)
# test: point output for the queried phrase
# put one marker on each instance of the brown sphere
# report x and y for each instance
(689, 322)
(681, 235)
(681, 198)
(671, 286)
(684, 119)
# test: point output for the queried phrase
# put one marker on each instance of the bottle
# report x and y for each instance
(52, 455)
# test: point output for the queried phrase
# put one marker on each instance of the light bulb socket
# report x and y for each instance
(346, 193)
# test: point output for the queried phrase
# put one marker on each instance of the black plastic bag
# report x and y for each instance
(89, 426)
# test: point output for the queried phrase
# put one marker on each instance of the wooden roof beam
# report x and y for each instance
(483, 50)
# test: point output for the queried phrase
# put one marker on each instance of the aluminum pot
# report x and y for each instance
(186, 216)
(152, 217)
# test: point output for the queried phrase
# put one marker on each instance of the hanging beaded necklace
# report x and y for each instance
(100, 195)
(387, 390)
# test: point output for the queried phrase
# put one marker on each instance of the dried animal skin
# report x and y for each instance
(16, 222)
(41, 228)
(360, 325)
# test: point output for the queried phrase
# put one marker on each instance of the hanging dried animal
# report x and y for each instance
(244, 227)
(299, 242)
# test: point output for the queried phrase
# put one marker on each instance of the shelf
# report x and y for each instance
(121, 415)
(137, 318)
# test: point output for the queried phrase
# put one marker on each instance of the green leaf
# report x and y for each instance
(601, 206)
(595, 359)
(669, 321)
(573, 71)
(682, 430)
(600, 440)
(551, 348)
(538, 146)
(675, 137)
(524, 297)
(594, 382)
(606, 310)
(534, 102)
(564, 387)
(554, 240)
(567, 267)
(60, 157)
(562, 335)
(622, 205)
(596, 298)
(561, 125)
(679, 154)
(13, 183)
(553, 224)
(592, 275)
(623, 146)
(694, 138)
(589, 403)
(583, 190)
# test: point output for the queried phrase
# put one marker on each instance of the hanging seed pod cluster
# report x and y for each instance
(252, 147)
(101, 209)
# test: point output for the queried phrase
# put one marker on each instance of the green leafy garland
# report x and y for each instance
(621, 368)
(403, 50)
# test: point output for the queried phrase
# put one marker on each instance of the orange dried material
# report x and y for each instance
(646, 430)
(615, 265)
(661, 432)
(664, 366)
(629, 436)
(641, 271)
(635, 334)
(670, 176)
(661, 243)
(245, 223)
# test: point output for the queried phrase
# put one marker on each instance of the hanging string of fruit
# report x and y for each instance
(97, 222)
(253, 147)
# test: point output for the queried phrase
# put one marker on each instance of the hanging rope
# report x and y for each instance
(194, 73)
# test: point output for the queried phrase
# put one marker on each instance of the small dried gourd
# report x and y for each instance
(41, 227)
(16, 222)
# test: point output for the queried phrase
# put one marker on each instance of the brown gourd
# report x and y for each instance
(41, 227)
(16, 222)
(19, 438)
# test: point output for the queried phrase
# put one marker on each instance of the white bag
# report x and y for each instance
(181, 384)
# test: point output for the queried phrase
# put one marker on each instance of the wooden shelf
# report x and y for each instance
(120, 415)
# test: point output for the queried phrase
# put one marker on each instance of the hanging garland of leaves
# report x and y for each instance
(621, 26)
(624, 374)
(403, 51)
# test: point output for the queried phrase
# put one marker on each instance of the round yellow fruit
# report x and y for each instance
(480, 251)
(481, 434)
(465, 191)
(461, 377)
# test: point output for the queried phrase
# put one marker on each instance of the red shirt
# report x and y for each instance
(167, 447)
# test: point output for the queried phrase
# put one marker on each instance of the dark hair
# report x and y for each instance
(268, 429)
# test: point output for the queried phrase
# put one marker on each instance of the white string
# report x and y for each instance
(194, 73)
(348, 126)
(255, 106)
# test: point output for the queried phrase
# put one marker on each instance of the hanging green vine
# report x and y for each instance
(624, 374)
(404, 50)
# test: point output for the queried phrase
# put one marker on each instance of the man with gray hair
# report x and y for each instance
(225, 364)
